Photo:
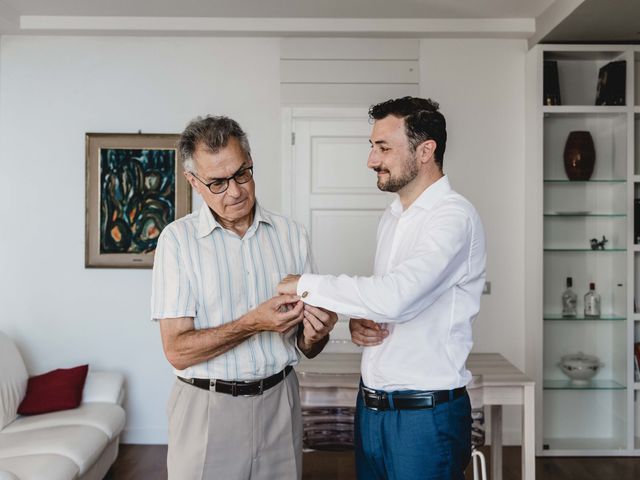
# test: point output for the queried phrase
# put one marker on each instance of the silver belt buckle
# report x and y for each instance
(371, 392)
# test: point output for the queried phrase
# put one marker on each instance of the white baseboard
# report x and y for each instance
(144, 436)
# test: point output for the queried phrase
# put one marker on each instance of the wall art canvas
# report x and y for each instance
(135, 188)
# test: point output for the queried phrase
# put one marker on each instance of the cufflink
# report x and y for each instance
(304, 294)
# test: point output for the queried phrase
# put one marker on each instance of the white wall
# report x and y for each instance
(52, 91)
(480, 85)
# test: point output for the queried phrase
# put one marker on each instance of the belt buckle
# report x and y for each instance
(379, 396)
(212, 385)
(431, 400)
(261, 387)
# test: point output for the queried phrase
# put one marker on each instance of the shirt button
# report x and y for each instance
(305, 294)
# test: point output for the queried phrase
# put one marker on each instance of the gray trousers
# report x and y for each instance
(217, 436)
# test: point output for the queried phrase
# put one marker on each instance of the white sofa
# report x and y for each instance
(81, 443)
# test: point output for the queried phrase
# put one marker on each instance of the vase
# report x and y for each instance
(579, 155)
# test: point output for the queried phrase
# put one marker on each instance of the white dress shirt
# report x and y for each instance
(428, 278)
(204, 271)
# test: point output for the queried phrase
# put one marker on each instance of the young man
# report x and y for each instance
(414, 315)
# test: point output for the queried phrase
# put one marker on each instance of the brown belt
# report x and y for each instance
(244, 389)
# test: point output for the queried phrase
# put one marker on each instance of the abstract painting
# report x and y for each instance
(135, 188)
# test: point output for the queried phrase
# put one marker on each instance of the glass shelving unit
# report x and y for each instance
(588, 418)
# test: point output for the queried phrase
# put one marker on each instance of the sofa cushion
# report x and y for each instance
(81, 444)
(39, 467)
(107, 417)
(103, 387)
(4, 475)
(53, 391)
(13, 380)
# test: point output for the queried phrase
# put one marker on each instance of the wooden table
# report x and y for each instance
(498, 381)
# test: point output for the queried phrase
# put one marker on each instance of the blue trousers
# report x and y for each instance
(427, 444)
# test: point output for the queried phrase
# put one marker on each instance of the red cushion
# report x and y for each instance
(59, 389)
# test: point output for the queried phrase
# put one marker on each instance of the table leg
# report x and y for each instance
(528, 434)
(496, 442)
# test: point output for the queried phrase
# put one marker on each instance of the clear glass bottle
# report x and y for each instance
(569, 300)
(592, 302)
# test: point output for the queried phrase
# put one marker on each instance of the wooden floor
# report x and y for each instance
(147, 462)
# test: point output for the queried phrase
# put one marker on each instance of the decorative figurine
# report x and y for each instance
(598, 245)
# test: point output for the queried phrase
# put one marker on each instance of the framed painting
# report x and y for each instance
(134, 188)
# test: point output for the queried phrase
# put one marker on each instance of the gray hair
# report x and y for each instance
(213, 132)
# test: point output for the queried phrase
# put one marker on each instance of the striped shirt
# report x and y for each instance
(211, 274)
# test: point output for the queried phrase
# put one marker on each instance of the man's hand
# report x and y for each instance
(367, 333)
(289, 285)
(278, 314)
(317, 324)
(314, 334)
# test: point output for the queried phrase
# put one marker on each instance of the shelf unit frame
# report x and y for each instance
(535, 316)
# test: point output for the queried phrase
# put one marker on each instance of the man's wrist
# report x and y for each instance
(249, 322)
(303, 343)
(311, 348)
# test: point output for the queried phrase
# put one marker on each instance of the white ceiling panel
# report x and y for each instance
(286, 8)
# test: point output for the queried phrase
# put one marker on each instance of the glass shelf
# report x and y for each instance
(592, 385)
(574, 250)
(551, 110)
(602, 318)
(565, 181)
(583, 214)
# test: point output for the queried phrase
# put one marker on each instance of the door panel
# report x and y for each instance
(341, 240)
(334, 194)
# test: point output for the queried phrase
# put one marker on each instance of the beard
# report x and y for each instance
(409, 171)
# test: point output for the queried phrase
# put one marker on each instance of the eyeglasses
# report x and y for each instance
(220, 185)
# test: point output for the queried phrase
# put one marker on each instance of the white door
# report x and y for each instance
(333, 193)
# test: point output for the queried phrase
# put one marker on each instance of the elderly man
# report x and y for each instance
(414, 314)
(234, 410)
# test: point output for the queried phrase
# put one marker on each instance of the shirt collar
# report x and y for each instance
(427, 199)
(207, 223)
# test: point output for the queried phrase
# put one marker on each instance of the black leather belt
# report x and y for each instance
(244, 389)
(379, 400)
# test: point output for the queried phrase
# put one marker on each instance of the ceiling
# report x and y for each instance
(534, 20)
(286, 8)
(596, 21)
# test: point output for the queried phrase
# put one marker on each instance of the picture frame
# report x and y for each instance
(134, 188)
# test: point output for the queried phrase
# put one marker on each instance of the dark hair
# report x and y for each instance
(422, 121)
(214, 133)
